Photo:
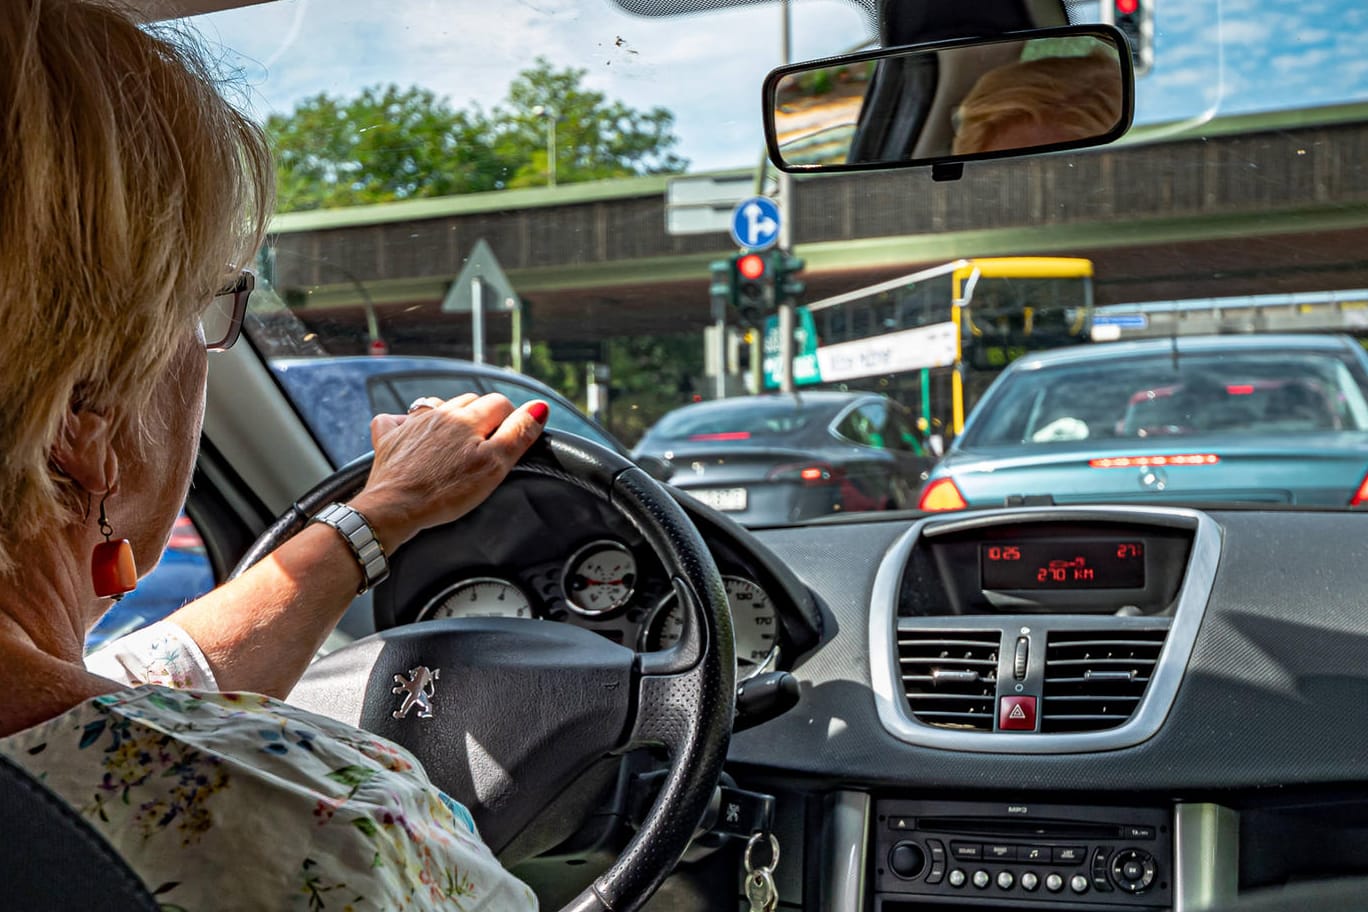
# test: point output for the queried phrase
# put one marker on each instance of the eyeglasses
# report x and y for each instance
(222, 319)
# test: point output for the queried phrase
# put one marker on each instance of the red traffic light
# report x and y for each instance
(751, 266)
(1127, 7)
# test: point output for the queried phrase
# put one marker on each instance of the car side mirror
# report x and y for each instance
(948, 102)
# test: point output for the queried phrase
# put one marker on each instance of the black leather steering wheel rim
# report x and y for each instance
(683, 699)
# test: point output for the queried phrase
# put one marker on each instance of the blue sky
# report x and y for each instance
(1212, 56)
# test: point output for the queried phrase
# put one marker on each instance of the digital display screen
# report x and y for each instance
(1093, 564)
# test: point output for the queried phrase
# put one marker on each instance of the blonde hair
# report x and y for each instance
(1076, 96)
(131, 191)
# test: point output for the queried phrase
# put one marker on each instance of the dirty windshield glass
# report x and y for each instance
(573, 198)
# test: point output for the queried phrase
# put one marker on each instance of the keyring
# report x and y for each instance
(774, 851)
(423, 402)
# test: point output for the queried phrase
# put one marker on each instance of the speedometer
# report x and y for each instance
(481, 597)
(754, 620)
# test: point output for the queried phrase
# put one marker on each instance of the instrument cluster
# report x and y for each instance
(603, 587)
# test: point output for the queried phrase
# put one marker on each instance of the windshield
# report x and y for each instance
(550, 190)
(1158, 396)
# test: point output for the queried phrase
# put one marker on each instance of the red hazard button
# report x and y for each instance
(1017, 714)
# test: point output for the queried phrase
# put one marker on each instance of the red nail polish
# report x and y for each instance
(539, 411)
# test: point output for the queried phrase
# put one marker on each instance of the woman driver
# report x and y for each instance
(128, 185)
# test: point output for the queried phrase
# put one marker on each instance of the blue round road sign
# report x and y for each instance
(755, 223)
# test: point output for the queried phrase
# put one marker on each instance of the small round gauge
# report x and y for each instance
(480, 597)
(754, 620)
(599, 578)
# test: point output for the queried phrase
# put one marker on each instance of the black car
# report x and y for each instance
(781, 458)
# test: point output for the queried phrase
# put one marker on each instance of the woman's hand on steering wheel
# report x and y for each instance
(440, 461)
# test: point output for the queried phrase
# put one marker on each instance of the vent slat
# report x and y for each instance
(1096, 680)
(950, 677)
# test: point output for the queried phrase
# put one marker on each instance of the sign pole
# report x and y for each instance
(517, 337)
(785, 222)
(477, 319)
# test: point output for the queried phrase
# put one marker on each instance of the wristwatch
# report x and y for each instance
(360, 537)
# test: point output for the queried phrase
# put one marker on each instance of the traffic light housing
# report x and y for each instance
(788, 288)
(753, 281)
(1133, 18)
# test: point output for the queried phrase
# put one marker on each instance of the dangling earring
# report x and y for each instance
(111, 563)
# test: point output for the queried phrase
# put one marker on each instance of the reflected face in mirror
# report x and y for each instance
(905, 106)
(1040, 102)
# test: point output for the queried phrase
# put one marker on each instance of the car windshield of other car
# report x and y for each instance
(577, 195)
(1157, 396)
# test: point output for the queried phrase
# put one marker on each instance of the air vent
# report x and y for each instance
(950, 677)
(1094, 679)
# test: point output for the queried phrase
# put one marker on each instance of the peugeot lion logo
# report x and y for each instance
(417, 689)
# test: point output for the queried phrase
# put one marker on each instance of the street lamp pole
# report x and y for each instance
(786, 219)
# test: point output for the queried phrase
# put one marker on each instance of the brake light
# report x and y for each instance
(723, 435)
(1361, 495)
(941, 495)
(1240, 389)
(809, 474)
(1142, 462)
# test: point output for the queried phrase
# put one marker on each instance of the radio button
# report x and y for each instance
(937, 850)
(1054, 883)
(958, 878)
(1137, 832)
(1029, 881)
(1078, 883)
(1070, 855)
(1039, 854)
(902, 823)
(937, 873)
(1006, 880)
(966, 851)
(999, 853)
(982, 879)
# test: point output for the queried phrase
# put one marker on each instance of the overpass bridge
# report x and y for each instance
(1255, 205)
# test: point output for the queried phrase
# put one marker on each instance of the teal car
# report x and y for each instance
(1254, 419)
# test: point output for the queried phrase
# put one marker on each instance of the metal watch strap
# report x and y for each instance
(360, 537)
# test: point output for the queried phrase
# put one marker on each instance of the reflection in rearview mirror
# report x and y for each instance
(1029, 92)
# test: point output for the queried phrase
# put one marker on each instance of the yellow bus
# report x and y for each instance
(937, 337)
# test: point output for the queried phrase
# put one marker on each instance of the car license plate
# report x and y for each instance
(729, 500)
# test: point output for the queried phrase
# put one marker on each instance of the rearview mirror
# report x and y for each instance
(1026, 92)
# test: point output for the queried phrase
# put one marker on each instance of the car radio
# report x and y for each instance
(1021, 855)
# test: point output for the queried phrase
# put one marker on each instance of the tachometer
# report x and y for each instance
(480, 597)
(754, 620)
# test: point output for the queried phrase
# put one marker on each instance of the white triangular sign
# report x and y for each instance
(1017, 712)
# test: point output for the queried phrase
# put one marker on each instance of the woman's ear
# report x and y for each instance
(84, 450)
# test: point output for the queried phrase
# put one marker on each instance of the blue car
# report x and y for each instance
(338, 396)
(1256, 419)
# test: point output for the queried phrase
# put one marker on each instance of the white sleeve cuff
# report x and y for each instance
(160, 653)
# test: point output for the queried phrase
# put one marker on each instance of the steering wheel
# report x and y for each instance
(514, 711)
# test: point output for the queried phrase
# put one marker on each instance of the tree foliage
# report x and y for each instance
(389, 143)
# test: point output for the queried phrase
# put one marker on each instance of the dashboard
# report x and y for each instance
(1030, 708)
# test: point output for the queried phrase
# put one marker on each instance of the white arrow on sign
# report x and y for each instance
(759, 225)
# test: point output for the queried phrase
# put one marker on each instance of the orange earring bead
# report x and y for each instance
(112, 568)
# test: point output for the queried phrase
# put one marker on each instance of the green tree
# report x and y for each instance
(389, 143)
(596, 139)
(385, 144)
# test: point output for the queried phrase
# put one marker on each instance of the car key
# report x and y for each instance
(760, 889)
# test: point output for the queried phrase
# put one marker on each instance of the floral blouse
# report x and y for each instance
(238, 801)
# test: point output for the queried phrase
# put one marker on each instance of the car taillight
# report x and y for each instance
(810, 474)
(940, 495)
(184, 535)
(722, 435)
(1144, 462)
(1361, 495)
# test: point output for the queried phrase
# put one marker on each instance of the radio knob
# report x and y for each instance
(1029, 881)
(1005, 880)
(1054, 883)
(958, 878)
(907, 860)
(1078, 883)
(1134, 870)
(982, 879)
